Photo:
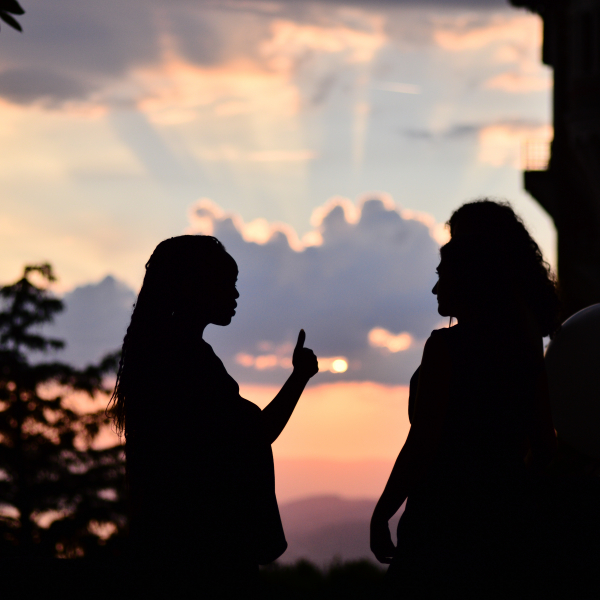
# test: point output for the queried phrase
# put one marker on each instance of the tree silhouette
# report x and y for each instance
(9, 8)
(48, 469)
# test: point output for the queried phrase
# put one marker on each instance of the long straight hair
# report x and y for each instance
(177, 270)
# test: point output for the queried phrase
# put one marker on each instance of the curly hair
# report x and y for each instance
(503, 257)
(177, 266)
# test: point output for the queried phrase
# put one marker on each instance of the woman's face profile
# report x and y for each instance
(445, 292)
(220, 299)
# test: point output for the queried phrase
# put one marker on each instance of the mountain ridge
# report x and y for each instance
(329, 527)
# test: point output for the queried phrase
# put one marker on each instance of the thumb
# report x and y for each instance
(301, 338)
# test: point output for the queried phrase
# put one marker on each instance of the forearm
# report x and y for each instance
(425, 432)
(278, 412)
(397, 488)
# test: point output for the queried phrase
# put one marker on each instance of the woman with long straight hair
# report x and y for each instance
(203, 512)
(479, 406)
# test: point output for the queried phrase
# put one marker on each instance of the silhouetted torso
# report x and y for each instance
(200, 469)
(471, 507)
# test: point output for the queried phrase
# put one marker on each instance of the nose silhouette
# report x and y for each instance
(434, 290)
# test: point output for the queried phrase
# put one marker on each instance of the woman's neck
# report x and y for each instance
(189, 327)
(475, 319)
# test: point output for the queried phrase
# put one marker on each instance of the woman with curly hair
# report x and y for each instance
(203, 512)
(478, 407)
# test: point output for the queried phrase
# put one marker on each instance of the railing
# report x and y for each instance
(535, 155)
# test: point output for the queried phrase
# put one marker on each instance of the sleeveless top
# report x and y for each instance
(200, 469)
(468, 528)
(479, 463)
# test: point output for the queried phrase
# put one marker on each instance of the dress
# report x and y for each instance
(466, 528)
(201, 480)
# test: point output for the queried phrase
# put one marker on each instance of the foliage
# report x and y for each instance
(48, 469)
(354, 580)
(9, 8)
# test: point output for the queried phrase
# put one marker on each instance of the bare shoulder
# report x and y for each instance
(439, 340)
(437, 351)
(434, 381)
(442, 333)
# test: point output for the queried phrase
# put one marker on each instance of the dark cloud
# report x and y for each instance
(376, 272)
(480, 4)
(94, 322)
(71, 48)
(24, 86)
(89, 42)
(453, 133)
(465, 130)
(198, 40)
(96, 38)
(462, 131)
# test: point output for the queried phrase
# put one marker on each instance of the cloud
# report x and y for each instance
(359, 284)
(175, 91)
(150, 51)
(382, 338)
(400, 88)
(502, 144)
(234, 153)
(90, 43)
(519, 83)
(24, 86)
(456, 132)
(475, 4)
(510, 39)
(363, 267)
(516, 33)
(120, 55)
(94, 321)
(290, 42)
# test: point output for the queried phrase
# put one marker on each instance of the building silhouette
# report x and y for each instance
(568, 186)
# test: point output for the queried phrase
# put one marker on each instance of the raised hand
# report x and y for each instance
(304, 359)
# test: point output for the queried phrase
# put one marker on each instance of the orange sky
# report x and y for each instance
(343, 438)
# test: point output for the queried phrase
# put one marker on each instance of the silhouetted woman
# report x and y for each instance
(203, 512)
(481, 403)
(497, 221)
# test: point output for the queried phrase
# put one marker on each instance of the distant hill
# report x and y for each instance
(324, 528)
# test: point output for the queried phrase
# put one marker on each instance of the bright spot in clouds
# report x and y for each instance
(381, 338)
(263, 362)
(333, 364)
(339, 365)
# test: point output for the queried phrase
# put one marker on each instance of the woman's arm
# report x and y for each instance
(278, 412)
(420, 446)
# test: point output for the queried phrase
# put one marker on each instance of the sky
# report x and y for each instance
(325, 143)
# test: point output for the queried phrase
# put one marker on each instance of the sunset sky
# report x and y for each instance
(325, 143)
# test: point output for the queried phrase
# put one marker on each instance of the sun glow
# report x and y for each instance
(333, 364)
